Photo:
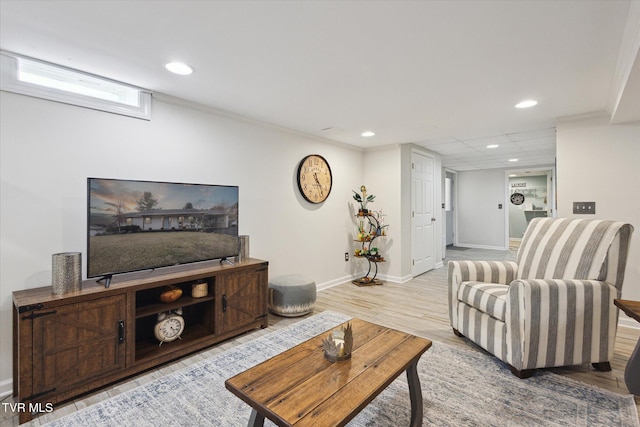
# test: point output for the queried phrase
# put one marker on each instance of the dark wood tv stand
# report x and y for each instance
(67, 345)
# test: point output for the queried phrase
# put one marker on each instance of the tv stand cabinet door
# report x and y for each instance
(241, 301)
(77, 344)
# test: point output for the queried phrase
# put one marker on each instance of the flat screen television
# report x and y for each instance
(141, 225)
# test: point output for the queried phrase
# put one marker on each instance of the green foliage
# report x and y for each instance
(363, 202)
(146, 202)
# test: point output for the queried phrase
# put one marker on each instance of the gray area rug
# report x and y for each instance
(460, 388)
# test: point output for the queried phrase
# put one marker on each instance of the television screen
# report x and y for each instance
(139, 225)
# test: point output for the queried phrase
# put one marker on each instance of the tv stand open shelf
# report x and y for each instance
(67, 345)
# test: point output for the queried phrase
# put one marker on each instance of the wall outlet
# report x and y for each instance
(346, 256)
(584, 208)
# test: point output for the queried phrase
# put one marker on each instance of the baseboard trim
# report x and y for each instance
(332, 283)
(627, 322)
(6, 388)
(394, 279)
(472, 246)
(381, 277)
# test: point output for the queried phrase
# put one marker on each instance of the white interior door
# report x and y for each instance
(422, 214)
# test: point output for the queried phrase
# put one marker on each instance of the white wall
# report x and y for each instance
(47, 151)
(382, 168)
(480, 223)
(599, 162)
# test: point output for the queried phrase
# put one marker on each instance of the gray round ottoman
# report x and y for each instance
(292, 295)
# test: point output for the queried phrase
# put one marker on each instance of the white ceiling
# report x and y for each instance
(442, 74)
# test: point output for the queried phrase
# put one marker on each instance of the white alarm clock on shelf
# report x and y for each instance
(169, 326)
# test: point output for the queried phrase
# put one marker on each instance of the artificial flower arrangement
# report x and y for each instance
(364, 200)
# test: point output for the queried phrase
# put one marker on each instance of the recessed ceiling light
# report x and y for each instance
(513, 160)
(179, 68)
(526, 104)
(367, 133)
(492, 146)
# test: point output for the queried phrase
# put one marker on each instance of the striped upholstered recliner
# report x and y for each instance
(554, 305)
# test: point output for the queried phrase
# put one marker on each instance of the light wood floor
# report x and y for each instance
(418, 307)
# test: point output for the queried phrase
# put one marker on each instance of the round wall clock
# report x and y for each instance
(517, 198)
(169, 326)
(314, 178)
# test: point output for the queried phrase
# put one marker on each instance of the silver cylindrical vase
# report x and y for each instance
(67, 272)
(243, 253)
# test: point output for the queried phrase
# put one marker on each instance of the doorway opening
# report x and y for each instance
(530, 193)
(450, 210)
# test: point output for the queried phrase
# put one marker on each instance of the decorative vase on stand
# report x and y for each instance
(66, 272)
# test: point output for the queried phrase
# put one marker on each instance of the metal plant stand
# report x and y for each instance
(369, 230)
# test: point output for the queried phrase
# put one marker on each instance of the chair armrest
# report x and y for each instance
(560, 322)
(502, 272)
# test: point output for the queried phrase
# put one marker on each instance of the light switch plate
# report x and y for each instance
(584, 208)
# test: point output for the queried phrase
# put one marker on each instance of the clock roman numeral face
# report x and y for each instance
(171, 328)
(314, 178)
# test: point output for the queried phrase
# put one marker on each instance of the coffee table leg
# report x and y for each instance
(256, 420)
(415, 393)
(632, 371)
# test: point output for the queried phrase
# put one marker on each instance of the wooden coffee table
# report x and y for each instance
(301, 388)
